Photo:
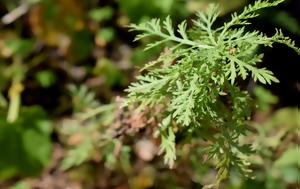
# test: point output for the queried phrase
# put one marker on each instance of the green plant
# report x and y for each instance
(195, 82)
(86, 134)
(25, 144)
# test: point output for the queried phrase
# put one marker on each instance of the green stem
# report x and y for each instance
(15, 91)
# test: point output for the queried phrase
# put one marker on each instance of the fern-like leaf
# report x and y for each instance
(206, 63)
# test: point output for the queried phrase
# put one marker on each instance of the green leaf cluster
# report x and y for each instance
(25, 144)
(195, 81)
(86, 133)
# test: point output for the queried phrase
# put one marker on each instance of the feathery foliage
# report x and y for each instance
(195, 80)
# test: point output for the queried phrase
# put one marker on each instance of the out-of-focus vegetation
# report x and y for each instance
(64, 65)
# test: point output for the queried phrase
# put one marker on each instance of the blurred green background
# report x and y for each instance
(64, 65)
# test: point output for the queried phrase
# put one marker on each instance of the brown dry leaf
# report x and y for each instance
(128, 120)
(137, 120)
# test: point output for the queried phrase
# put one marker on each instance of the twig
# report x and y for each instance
(15, 14)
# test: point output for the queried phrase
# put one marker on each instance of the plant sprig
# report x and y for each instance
(198, 90)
